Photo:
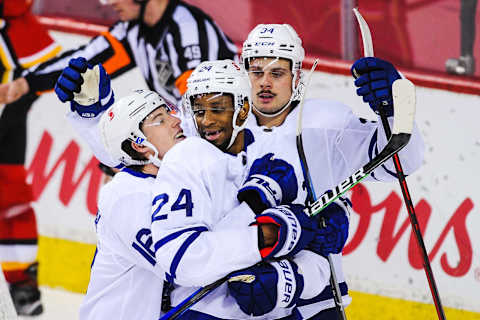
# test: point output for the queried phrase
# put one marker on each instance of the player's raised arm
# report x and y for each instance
(87, 89)
(374, 79)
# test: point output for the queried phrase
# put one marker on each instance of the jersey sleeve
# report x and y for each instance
(344, 143)
(88, 130)
(369, 138)
(110, 48)
(186, 207)
(316, 273)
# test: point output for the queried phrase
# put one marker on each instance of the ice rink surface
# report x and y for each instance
(58, 304)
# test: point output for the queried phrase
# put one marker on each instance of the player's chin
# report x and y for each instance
(219, 142)
(265, 105)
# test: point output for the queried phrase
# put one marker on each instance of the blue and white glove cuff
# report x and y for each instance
(286, 284)
(289, 233)
(270, 190)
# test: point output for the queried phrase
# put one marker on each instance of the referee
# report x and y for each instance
(166, 39)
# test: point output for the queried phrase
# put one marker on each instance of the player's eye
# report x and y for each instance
(257, 74)
(217, 110)
(198, 112)
(277, 74)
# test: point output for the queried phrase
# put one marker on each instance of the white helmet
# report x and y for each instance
(122, 122)
(276, 41)
(221, 76)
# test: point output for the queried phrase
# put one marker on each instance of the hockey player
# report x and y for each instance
(18, 228)
(203, 192)
(125, 281)
(219, 104)
(166, 39)
(336, 142)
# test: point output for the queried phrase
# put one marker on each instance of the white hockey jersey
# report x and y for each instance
(336, 143)
(125, 282)
(223, 176)
(201, 233)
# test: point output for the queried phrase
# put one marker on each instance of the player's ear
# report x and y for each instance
(140, 148)
(243, 113)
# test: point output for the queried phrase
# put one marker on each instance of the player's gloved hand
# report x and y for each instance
(295, 230)
(374, 79)
(265, 286)
(270, 182)
(87, 88)
(332, 229)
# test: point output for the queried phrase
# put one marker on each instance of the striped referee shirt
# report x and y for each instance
(166, 53)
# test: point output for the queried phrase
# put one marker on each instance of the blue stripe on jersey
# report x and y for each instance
(326, 294)
(144, 254)
(94, 256)
(175, 235)
(137, 173)
(181, 252)
(120, 166)
(248, 139)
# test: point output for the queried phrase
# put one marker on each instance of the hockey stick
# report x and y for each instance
(311, 197)
(7, 309)
(186, 304)
(368, 52)
(404, 97)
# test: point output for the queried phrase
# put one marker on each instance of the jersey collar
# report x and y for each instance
(137, 174)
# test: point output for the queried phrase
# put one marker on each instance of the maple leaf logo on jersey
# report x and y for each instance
(111, 115)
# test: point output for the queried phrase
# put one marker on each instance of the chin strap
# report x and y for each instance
(271, 115)
(236, 129)
(155, 161)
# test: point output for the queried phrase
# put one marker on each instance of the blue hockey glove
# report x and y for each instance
(86, 87)
(256, 289)
(295, 230)
(332, 232)
(270, 182)
(374, 79)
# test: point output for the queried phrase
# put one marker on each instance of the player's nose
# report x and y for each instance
(266, 80)
(208, 118)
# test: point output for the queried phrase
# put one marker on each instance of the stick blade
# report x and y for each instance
(366, 34)
(404, 104)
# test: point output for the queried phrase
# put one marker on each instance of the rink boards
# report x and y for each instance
(382, 269)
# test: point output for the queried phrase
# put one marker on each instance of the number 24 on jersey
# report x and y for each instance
(183, 202)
